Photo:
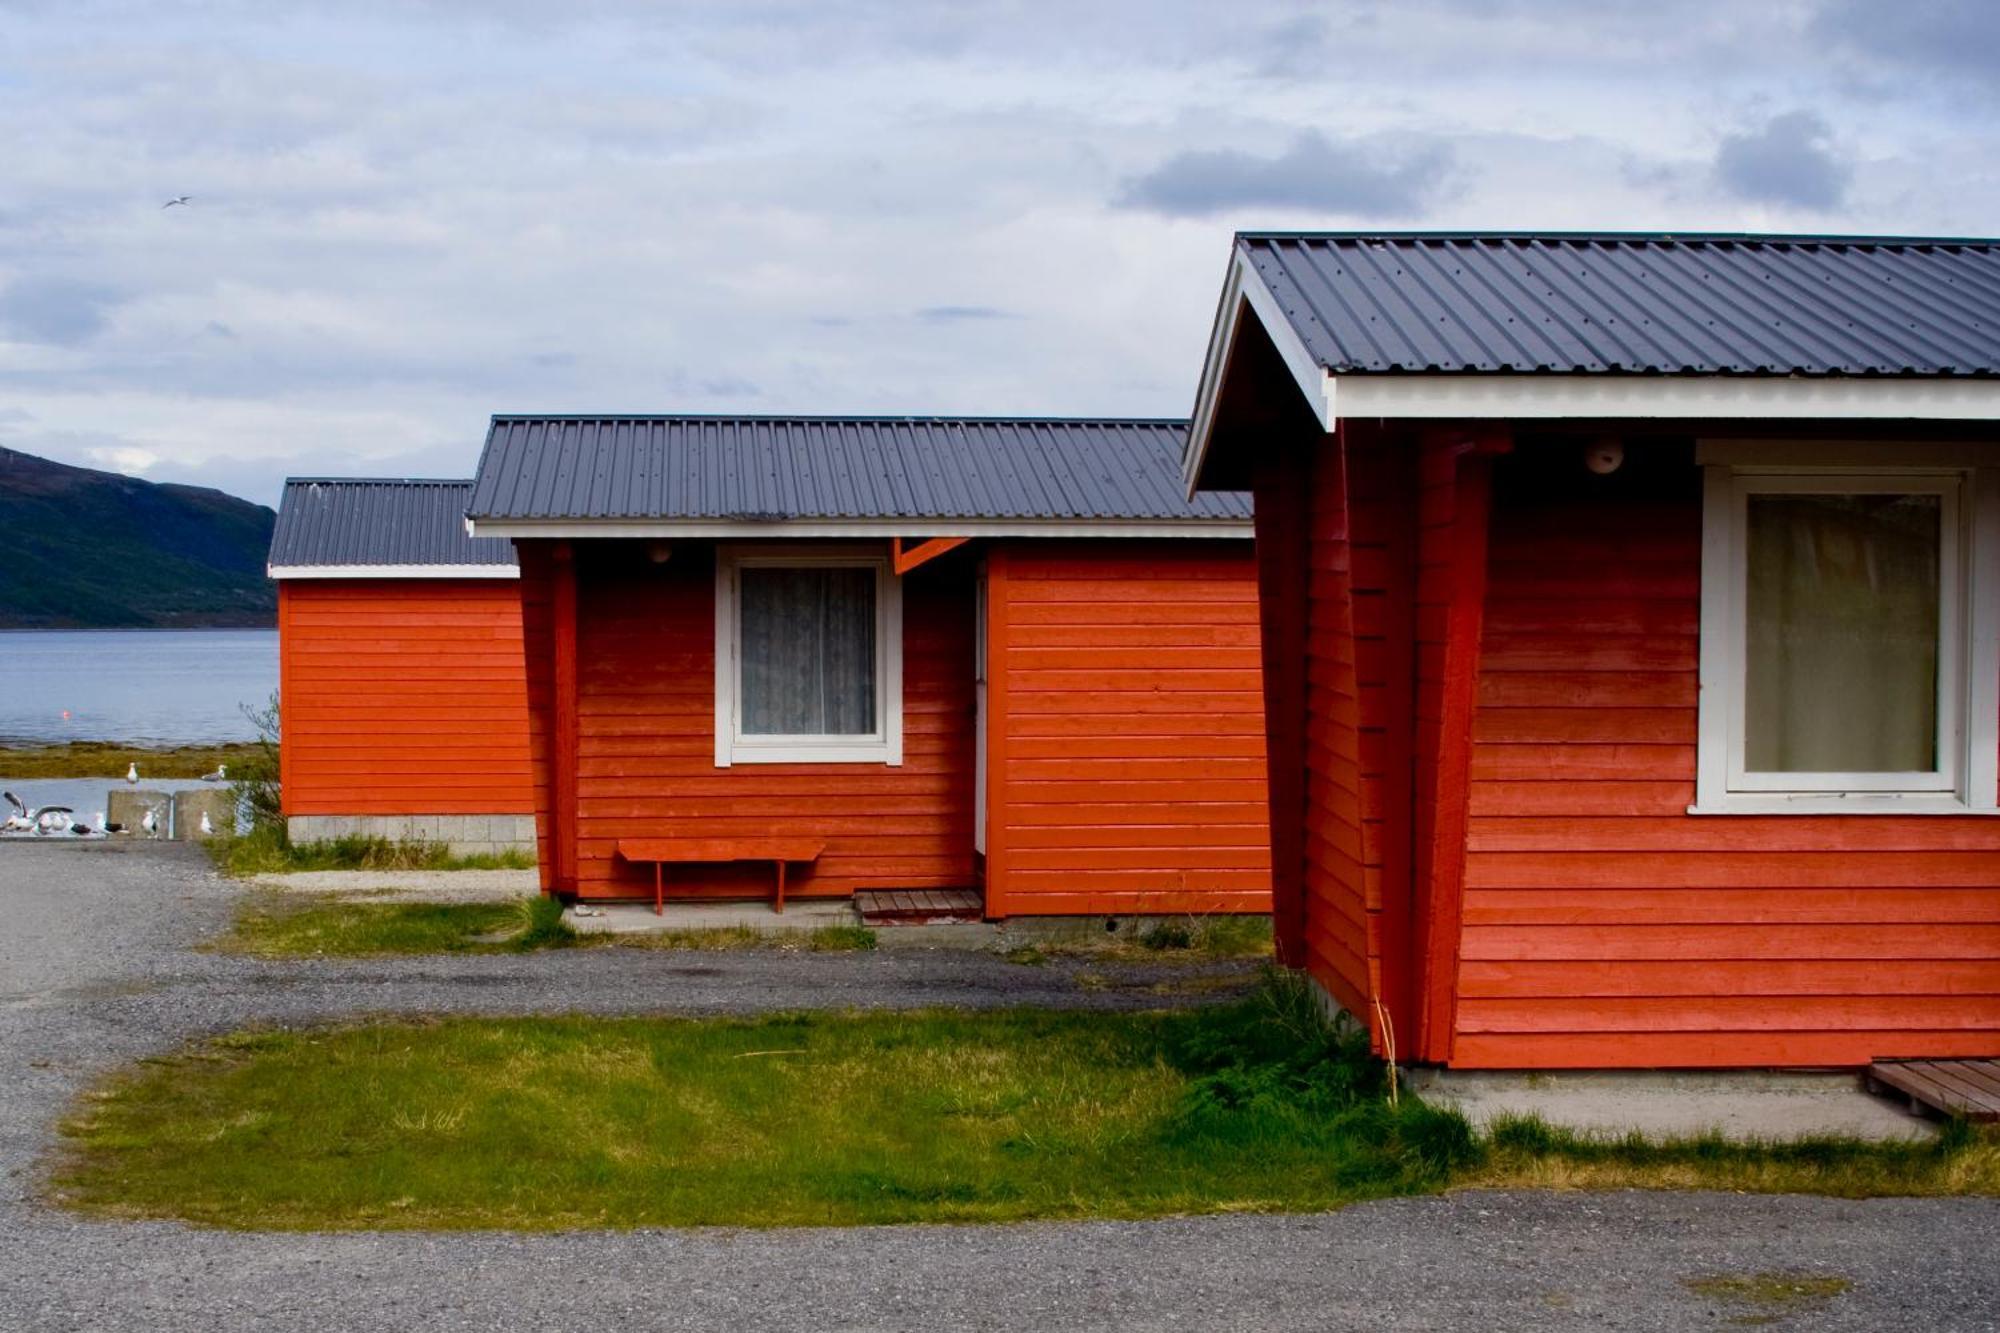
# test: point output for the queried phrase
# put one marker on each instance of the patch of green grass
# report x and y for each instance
(103, 759)
(796, 1119)
(1767, 1298)
(1194, 938)
(273, 923)
(830, 1119)
(541, 924)
(1526, 1151)
(266, 850)
(1026, 955)
(840, 939)
(280, 923)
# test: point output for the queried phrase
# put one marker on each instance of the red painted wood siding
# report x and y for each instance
(1603, 925)
(645, 724)
(1129, 771)
(403, 697)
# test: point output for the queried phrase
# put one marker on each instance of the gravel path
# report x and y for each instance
(96, 968)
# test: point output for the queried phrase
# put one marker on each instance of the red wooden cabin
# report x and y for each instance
(1005, 656)
(1632, 637)
(401, 677)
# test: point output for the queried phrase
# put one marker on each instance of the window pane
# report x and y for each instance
(1842, 634)
(808, 645)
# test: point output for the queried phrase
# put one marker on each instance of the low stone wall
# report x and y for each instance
(466, 835)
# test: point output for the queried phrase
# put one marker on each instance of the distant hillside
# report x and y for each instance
(94, 550)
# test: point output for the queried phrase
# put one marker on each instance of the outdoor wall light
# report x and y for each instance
(659, 552)
(1604, 456)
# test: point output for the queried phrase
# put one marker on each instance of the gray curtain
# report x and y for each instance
(1842, 634)
(808, 639)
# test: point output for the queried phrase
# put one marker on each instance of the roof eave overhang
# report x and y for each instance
(283, 572)
(1417, 396)
(765, 529)
(1244, 292)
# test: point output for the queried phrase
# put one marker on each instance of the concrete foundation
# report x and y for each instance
(218, 803)
(127, 806)
(465, 835)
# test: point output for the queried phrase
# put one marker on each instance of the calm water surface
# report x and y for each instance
(151, 687)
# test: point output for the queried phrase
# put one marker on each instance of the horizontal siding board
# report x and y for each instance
(1604, 925)
(405, 698)
(1134, 759)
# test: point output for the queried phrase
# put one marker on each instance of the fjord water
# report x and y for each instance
(146, 687)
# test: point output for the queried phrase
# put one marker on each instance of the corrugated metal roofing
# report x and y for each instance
(1637, 304)
(332, 521)
(693, 468)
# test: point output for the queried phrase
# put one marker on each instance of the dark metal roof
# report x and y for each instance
(693, 468)
(333, 521)
(1618, 303)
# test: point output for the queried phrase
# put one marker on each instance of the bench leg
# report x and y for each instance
(659, 888)
(781, 889)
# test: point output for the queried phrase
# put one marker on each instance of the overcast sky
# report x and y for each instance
(407, 216)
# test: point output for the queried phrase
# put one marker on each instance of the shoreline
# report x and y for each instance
(109, 759)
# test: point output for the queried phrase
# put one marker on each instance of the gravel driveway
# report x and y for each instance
(96, 968)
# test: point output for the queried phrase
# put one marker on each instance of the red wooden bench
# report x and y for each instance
(663, 852)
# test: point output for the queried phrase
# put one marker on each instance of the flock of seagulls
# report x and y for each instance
(53, 820)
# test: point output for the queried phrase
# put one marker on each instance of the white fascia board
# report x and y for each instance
(1238, 529)
(1245, 287)
(1548, 396)
(392, 571)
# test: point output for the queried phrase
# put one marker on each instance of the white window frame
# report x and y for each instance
(1966, 477)
(885, 745)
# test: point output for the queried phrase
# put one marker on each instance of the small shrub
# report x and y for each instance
(255, 779)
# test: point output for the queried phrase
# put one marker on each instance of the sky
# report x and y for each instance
(404, 217)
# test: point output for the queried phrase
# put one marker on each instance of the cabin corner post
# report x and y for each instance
(563, 751)
(998, 719)
(1281, 491)
(1456, 471)
(285, 694)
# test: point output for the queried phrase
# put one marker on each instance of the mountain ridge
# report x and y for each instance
(84, 549)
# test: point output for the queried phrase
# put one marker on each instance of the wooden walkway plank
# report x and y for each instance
(889, 907)
(1970, 1088)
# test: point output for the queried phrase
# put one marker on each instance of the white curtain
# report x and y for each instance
(808, 646)
(1842, 634)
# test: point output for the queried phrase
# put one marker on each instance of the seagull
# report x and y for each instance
(20, 821)
(177, 199)
(221, 772)
(132, 774)
(207, 829)
(151, 823)
(102, 827)
(53, 819)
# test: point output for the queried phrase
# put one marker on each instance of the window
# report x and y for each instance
(808, 658)
(1847, 630)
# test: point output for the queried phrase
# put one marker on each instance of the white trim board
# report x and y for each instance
(1968, 779)
(764, 530)
(886, 745)
(392, 571)
(1554, 396)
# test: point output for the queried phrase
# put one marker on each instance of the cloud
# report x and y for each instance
(960, 314)
(1372, 178)
(60, 312)
(1790, 160)
(1958, 37)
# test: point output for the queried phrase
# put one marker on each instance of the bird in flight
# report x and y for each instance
(177, 199)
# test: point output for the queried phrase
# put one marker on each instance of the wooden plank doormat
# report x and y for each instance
(916, 907)
(1970, 1088)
